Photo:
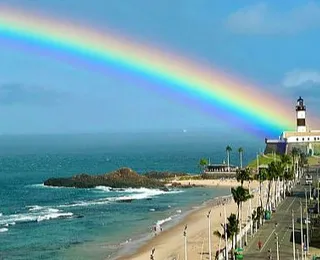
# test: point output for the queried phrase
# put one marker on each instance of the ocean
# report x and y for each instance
(38, 222)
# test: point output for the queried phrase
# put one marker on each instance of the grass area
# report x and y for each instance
(313, 160)
(263, 159)
(189, 177)
(268, 158)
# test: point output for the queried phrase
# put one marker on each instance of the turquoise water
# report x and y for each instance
(38, 222)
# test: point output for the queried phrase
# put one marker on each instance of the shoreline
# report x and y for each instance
(169, 244)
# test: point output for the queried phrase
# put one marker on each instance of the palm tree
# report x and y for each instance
(240, 151)
(257, 216)
(243, 175)
(294, 155)
(240, 195)
(228, 150)
(232, 228)
(271, 174)
(203, 163)
(303, 161)
(286, 161)
(274, 172)
(288, 176)
(261, 177)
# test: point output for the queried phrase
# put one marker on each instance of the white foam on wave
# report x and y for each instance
(142, 193)
(3, 230)
(37, 208)
(136, 194)
(41, 185)
(162, 221)
(9, 224)
(85, 203)
(54, 216)
(35, 214)
(135, 190)
(103, 188)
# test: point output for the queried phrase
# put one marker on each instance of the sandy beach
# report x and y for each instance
(216, 183)
(169, 244)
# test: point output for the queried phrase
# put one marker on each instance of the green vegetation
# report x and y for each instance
(264, 159)
(316, 148)
(313, 160)
(166, 175)
(202, 164)
(243, 175)
(232, 228)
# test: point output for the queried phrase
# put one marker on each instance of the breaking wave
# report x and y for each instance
(34, 214)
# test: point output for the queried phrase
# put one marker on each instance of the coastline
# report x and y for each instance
(169, 244)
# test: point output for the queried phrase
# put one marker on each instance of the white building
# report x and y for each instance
(305, 139)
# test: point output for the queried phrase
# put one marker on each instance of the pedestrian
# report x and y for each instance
(259, 244)
(155, 230)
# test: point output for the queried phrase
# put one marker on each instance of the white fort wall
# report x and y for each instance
(303, 139)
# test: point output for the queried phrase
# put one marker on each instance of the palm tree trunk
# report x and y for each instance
(236, 235)
(240, 223)
(260, 193)
(240, 160)
(269, 194)
(228, 160)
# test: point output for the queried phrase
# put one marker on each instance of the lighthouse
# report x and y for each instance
(301, 116)
(305, 139)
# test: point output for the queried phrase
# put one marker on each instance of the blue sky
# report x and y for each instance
(273, 44)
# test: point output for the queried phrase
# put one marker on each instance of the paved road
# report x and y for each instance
(284, 230)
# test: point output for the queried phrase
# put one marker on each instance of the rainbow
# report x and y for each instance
(238, 103)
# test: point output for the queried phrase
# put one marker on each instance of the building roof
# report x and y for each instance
(220, 165)
(287, 134)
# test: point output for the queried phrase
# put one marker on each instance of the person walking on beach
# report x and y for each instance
(259, 245)
(152, 254)
(154, 229)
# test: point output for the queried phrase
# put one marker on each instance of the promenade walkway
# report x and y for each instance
(267, 233)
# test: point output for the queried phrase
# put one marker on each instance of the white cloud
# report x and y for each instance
(297, 78)
(260, 19)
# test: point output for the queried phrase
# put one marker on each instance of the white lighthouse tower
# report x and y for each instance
(303, 138)
(301, 116)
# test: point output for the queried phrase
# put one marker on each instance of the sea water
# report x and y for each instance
(38, 222)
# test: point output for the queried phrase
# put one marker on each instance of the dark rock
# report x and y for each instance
(164, 189)
(122, 178)
(125, 200)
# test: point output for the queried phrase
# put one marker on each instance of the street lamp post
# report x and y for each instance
(310, 192)
(277, 243)
(305, 252)
(293, 238)
(225, 233)
(209, 238)
(318, 192)
(301, 229)
(307, 222)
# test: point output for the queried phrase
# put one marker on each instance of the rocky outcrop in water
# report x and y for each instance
(122, 178)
